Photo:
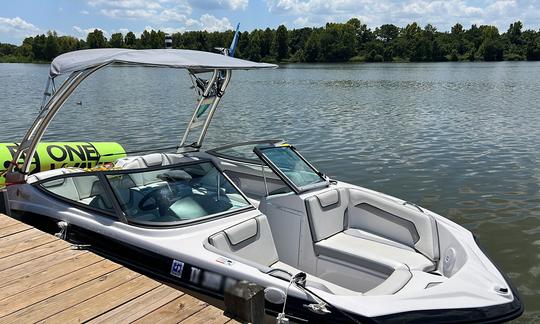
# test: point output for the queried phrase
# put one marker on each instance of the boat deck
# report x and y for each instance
(43, 279)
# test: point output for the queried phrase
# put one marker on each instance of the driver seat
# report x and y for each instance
(143, 162)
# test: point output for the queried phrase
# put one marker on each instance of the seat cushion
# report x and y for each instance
(251, 240)
(326, 213)
(371, 254)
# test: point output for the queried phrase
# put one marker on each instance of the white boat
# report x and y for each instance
(202, 220)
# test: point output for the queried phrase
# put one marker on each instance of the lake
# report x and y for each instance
(461, 139)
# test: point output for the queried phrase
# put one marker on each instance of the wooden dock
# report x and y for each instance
(42, 279)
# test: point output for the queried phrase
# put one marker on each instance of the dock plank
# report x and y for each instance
(47, 290)
(208, 315)
(139, 307)
(38, 266)
(174, 311)
(43, 280)
(23, 241)
(92, 307)
(6, 221)
(57, 270)
(57, 303)
(13, 229)
(32, 254)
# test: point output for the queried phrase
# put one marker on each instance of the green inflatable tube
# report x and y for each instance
(63, 154)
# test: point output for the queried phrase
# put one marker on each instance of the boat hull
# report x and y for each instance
(158, 267)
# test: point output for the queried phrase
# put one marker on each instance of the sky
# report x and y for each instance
(22, 18)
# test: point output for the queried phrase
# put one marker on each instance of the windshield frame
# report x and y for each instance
(217, 150)
(258, 150)
(120, 215)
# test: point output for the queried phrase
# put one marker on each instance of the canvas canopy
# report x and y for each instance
(174, 58)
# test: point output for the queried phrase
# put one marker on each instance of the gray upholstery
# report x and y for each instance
(240, 233)
(363, 229)
(142, 162)
(251, 240)
(379, 222)
(147, 161)
(326, 213)
(81, 187)
(391, 220)
(371, 254)
(376, 238)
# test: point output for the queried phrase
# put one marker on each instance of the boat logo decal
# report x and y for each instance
(176, 268)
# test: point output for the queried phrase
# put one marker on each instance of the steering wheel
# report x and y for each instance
(161, 201)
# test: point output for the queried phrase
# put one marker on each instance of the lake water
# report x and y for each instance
(461, 139)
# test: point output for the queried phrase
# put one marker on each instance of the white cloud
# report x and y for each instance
(211, 23)
(301, 21)
(126, 4)
(17, 28)
(219, 4)
(84, 12)
(168, 30)
(129, 13)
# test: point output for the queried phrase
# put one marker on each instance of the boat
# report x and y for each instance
(208, 220)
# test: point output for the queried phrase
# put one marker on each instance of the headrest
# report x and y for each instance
(243, 231)
(155, 159)
(328, 198)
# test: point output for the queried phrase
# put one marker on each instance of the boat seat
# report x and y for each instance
(51, 173)
(330, 223)
(147, 161)
(251, 240)
(81, 187)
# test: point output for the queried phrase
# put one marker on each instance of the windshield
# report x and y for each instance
(298, 172)
(177, 194)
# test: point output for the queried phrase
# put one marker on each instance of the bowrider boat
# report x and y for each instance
(202, 220)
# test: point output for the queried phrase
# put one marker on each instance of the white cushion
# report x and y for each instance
(371, 254)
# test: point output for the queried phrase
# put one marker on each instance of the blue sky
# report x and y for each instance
(21, 18)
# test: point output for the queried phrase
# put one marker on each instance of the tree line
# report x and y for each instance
(335, 42)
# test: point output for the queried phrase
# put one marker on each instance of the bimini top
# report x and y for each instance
(174, 58)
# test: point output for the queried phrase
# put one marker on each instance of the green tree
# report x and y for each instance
(130, 40)
(387, 33)
(281, 43)
(457, 39)
(312, 47)
(96, 39)
(338, 42)
(514, 33)
(50, 50)
(117, 40)
(491, 48)
(255, 46)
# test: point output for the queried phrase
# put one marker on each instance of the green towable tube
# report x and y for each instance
(63, 154)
